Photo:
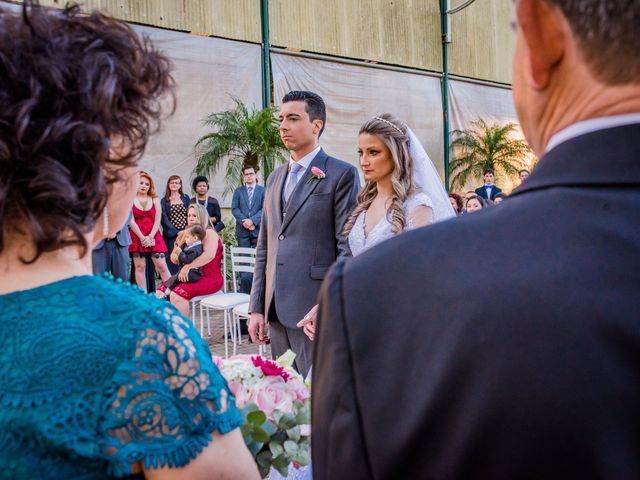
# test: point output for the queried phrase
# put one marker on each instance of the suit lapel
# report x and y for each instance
(306, 185)
(278, 185)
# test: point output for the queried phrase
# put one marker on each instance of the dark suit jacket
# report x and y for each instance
(241, 210)
(213, 209)
(168, 229)
(531, 372)
(296, 247)
(482, 192)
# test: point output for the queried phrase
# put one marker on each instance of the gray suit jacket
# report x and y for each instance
(296, 247)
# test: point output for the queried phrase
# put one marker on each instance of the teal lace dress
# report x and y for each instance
(96, 376)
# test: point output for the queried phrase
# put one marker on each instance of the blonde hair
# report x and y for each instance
(393, 134)
(203, 216)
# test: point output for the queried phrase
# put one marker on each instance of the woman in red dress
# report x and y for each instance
(145, 232)
(210, 260)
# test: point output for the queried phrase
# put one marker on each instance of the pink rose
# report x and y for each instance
(270, 393)
(240, 392)
(298, 389)
(317, 173)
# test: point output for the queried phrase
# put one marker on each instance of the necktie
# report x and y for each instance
(250, 194)
(294, 172)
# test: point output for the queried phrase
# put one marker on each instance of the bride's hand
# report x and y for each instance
(308, 323)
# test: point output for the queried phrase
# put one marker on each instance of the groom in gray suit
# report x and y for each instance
(306, 205)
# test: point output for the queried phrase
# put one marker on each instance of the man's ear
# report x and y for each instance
(317, 125)
(543, 29)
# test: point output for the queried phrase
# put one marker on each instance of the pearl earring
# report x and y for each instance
(105, 223)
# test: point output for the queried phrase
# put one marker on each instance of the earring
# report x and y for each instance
(105, 223)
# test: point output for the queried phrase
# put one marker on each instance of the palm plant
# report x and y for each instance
(485, 147)
(241, 137)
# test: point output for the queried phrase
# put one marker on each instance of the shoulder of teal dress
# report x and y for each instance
(89, 353)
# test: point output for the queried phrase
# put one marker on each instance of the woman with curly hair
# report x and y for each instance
(98, 379)
(402, 188)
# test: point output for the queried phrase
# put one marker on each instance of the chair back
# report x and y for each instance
(243, 259)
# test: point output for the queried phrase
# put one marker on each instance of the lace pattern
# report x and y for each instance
(99, 376)
(359, 242)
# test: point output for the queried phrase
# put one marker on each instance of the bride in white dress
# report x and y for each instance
(402, 188)
(402, 191)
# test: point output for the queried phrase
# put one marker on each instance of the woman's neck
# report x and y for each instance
(384, 188)
(174, 195)
(202, 197)
(48, 268)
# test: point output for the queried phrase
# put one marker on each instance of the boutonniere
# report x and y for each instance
(316, 174)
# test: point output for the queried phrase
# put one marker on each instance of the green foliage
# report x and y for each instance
(484, 147)
(241, 137)
(280, 444)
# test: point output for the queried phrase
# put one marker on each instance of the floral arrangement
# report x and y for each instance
(275, 402)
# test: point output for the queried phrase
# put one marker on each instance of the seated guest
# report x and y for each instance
(488, 190)
(523, 174)
(212, 279)
(200, 187)
(114, 383)
(174, 206)
(192, 249)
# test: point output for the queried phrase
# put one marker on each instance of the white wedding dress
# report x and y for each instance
(360, 242)
(425, 178)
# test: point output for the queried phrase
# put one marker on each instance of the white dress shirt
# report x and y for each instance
(591, 125)
(304, 162)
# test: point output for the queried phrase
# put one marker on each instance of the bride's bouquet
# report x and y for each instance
(275, 402)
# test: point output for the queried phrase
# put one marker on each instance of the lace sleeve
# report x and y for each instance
(414, 214)
(168, 400)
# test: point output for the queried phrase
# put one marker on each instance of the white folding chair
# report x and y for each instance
(195, 301)
(242, 260)
(242, 311)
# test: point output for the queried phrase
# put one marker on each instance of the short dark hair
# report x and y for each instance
(252, 167)
(607, 33)
(197, 180)
(523, 170)
(500, 195)
(314, 105)
(488, 170)
(197, 231)
(483, 202)
(69, 84)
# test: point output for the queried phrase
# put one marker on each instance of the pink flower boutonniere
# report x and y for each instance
(317, 174)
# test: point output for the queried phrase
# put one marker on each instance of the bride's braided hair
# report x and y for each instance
(393, 134)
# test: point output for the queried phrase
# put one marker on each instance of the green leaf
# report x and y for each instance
(290, 447)
(287, 421)
(259, 435)
(276, 449)
(257, 417)
(294, 433)
(303, 457)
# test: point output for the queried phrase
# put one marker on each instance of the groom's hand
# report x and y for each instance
(257, 329)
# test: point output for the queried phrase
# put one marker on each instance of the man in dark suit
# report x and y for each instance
(111, 255)
(306, 205)
(246, 207)
(535, 373)
(488, 191)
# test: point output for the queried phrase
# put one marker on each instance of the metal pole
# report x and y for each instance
(266, 70)
(444, 24)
